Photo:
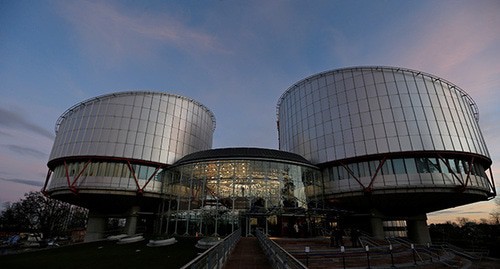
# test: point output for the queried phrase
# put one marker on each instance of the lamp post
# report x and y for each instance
(342, 250)
(367, 249)
(430, 251)
(307, 249)
(414, 254)
(392, 256)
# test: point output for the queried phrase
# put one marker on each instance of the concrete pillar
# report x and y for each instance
(96, 226)
(131, 225)
(418, 231)
(376, 224)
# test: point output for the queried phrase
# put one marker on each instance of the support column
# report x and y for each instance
(376, 224)
(96, 226)
(131, 225)
(418, 231)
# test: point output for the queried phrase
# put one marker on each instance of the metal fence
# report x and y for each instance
(278, 257)
(216, 256)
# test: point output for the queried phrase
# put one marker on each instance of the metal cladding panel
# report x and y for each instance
(362, 111)
(149, 126)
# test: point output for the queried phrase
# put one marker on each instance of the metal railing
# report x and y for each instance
(277, 256)
(217, 255)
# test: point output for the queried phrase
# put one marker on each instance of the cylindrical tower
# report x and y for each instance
(390, 141)
(109, 150)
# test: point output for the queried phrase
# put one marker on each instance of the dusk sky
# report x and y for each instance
(235, 57)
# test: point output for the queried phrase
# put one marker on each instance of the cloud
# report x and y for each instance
(116, 33)
(13, 119)
(5, 134)
(26, 151)
(456, 45)
(29, 182)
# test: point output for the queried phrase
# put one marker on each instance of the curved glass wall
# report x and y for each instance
(362, 111)
(105, 175)
(213, 196)
(422, 172)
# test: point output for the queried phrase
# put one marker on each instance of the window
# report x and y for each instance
(422, 165)
(410, 166)
(387, 168)
(434, 165)
(399, 166)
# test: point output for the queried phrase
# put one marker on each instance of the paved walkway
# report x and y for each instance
(247, 255)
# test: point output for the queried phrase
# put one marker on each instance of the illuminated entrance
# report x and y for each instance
(211, 194)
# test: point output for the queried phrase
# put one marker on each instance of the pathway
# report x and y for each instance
(247, 255)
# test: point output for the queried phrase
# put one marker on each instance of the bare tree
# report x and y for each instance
(39, 214)
(495, 214)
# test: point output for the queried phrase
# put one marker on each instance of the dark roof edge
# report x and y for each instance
(244, 153)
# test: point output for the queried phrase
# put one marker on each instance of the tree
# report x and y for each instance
(39, 214)
(495, 215)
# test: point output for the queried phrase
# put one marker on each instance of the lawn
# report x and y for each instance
(105, 254)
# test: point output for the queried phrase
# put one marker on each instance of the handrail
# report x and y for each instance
(278, 257)
(217, 255)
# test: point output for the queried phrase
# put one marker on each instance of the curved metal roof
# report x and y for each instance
(243, 154)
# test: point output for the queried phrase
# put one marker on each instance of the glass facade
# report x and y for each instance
(432, 172)
(395, 228)
(108, 175)
(227, 190)
(118, 141)
(373, 110)
(382, 133)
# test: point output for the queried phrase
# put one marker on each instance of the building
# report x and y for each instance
(221, 189)
(392, 144)
(109, 151)
(375, 148)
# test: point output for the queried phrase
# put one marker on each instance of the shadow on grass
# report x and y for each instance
(106, 254)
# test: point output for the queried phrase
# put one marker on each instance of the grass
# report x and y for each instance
(105, 254)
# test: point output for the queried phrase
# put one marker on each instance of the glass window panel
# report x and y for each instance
(464, 166)
(387, 168)
(443, 164)
(373, 165)
(434, 165)
(422, 165)
(342, 172)
(480, 170)
(456, 166)
(399, 166)
(410, 165)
